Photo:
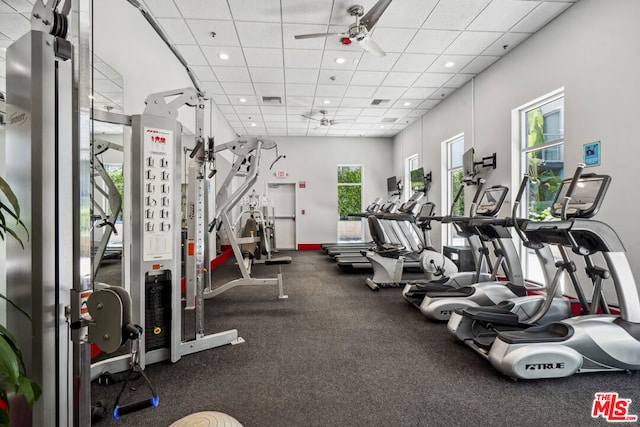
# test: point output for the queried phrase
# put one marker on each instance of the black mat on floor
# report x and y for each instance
(336, 353)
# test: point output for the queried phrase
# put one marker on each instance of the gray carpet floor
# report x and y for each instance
(336, 353)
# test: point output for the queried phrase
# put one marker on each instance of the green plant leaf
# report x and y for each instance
(13, 233)
(4, 418)
(8, 192)
(9, 366)
(29, 389)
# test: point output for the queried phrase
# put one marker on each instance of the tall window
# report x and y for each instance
(454, 149)
(349, 202)
(411, 164)
(542, 157)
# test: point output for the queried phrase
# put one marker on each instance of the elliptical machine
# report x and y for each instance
(590, 342)
(415, 291)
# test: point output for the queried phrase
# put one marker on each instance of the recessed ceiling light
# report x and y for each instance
(449, 64)
(253, 125)
(223, 56)
(381, 126)
(242, 99)
(406, 104)
(326, 101)
(339, 60)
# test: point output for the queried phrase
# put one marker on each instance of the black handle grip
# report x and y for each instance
(523, 186)
(195, 150)
(119, 411)
(574, 181)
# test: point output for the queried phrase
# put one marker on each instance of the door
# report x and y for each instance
(283, 197)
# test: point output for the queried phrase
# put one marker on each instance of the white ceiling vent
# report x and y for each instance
(389, 119)
(379, 101)
(272, 100)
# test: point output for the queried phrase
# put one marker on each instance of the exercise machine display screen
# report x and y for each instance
(586, 198)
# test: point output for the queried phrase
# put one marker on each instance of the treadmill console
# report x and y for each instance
(586, 198)
(426, 211)
(491, 201)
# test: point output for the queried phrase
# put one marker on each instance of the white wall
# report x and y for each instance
(592, 51)
(314, 160)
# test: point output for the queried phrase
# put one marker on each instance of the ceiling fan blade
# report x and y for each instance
(371, 17)
(310, 118)
(371, 46)
(317, 35)
(338, 122)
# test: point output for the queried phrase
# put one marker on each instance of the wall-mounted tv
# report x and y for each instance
(417, 179)
(392, 184)
(468, 163)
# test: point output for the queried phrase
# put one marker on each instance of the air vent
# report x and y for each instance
(272, 100)
(379, 101)
(389, 119)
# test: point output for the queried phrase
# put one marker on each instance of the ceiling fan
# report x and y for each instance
(324, 121)
(359, 31)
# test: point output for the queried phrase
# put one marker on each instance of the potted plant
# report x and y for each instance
(13, 378)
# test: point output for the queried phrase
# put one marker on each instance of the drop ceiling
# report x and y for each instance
(433, 47)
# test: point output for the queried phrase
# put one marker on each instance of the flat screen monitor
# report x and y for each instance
(468, 162)
(417, 179)
(392, 184)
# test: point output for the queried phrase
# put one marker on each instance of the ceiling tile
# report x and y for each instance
(355, 102)
(432, 80)
(398, 113)
(330, 91)
(269, 89)
(296, 11)
(233, 74)
(226, 109)
(330, 56)
(368, 78)
(237, 88)
(414, 93)
(236, 57)
(22, 6)
(163, 9)
(255, 10)
(203, 9)
(259, 34)
(459, 62)
(247, 110)
(177, 31)
(371, 112)
(274, 118)
(439, 94)
(325, 102)
(295, 58)
(225, 32)
(295, 102)
(204, 73)
(273, 109)
(291, 30)
(249, 99)
(393, 39)
(267, 75)
(479, 64)
(454, 15)
(377, 63)
(400, 79)
(407, 13)
(472, 43)
(432, 41)
(300, 75)
(192, 54)
(341, 77)
(414, 62)
(263, 57)
(458, 80)
(501, 15)
(212, 88)
(348, 111)
(406, 102)
(392, 93)
(301, 89)
(360, 91)
(510, 40)
(540, 16)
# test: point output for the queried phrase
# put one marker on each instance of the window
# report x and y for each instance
(411, 164)
(542, 157)
(454, 149)
(349, 201)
